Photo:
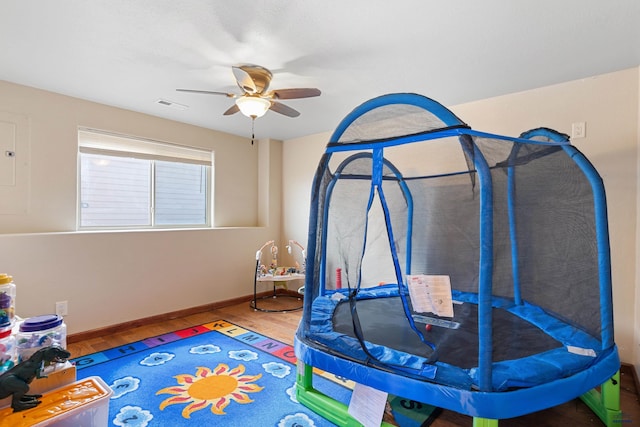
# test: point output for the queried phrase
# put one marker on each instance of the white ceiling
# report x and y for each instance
(130, 53)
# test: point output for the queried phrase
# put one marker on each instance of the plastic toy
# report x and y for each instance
(17, 379)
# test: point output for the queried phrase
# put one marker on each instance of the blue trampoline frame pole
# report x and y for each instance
(485, 275)
(602, 242)
(511, 191)
(440, 111)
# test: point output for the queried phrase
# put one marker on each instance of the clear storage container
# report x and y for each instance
(38, 332)
(7, 300)
(7, 350)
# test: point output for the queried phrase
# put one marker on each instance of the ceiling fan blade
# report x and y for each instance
(208, 92)
(295, 93)
(283, 109)
(244, 80)
(232, 110)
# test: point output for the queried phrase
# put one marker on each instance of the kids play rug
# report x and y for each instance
(218, 374)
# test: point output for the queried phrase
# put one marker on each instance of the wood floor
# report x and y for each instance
(282, 326)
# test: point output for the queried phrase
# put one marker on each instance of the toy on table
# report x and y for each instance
(290, 246)
(278, 276)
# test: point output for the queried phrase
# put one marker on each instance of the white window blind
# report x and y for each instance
(100, 142)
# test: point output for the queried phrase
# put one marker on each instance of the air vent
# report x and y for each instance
(172, 104)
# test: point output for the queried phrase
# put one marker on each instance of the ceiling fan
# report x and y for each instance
(256, 98)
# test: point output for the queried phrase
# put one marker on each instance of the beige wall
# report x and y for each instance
(636, 339)
(110, 278)
(300, 160)
(609, 106)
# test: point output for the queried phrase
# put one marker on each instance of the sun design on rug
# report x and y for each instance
(217, 387)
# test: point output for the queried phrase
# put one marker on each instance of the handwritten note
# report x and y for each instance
(367, 405)
(431, 294)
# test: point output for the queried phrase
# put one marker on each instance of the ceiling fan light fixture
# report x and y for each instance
(253, 106)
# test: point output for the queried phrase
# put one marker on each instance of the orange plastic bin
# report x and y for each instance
(82, 403)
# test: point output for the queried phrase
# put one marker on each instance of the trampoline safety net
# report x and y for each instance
(516, 224)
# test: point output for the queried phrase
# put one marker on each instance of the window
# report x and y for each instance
(128, 182)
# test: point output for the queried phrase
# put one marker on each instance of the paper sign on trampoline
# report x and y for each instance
(458, 268)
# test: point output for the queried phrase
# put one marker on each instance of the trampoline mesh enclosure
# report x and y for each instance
(403, 191)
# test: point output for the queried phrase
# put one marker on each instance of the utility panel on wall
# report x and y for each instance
(14, 163)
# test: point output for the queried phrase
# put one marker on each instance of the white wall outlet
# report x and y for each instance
(62, 308)
(579, 130)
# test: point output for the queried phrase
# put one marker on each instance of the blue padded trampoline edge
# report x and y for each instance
(524, 372)
(492, 405)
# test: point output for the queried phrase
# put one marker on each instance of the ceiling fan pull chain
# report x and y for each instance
(253, 135)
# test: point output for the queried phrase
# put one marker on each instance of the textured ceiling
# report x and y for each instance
(130, 53)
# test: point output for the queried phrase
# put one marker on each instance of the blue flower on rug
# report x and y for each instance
(125, 385)
(205, 349)
(296, 420)
(155, 359)
(244, 355)
(278, 370)
(217, 387)
(132, 416)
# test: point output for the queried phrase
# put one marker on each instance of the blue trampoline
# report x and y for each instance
(518, 226)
